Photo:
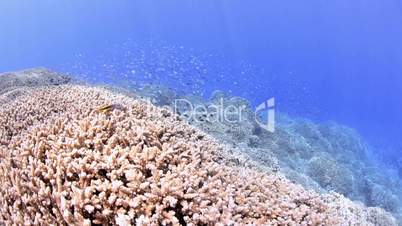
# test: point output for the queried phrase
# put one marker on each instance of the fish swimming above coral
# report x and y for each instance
(201, 113)
(63, 166)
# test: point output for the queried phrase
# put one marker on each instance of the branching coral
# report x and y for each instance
(62, 161)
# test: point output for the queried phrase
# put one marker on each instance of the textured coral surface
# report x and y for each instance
(325, 156)
(31, 78)
(63, 161)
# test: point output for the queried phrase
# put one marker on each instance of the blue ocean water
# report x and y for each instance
(324, 60)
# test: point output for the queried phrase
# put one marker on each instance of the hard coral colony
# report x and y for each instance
(63, 163)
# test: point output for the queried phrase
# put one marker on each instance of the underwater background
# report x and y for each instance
(323, 61)
(338, 60)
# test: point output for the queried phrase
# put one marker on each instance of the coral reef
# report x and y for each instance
(323, 157)
(64, 162)
(338, 160)
(325, 170)
(13, 84)
(31, 78)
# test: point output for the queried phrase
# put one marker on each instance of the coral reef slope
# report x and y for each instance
(76, 155)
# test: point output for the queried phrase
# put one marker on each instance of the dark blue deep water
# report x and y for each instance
(335, 60)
